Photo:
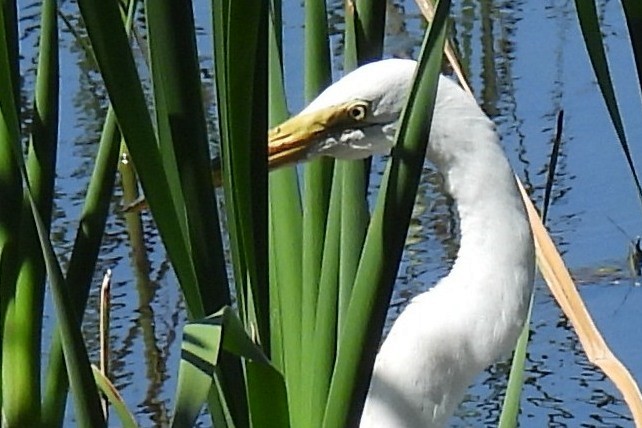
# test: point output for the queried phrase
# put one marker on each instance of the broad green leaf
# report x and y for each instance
(633, 14)
(323, 348)
(86, 402)
(371, 28)
(202, 344)
(184, 142)
(200, 350)
(589, 24)
(384, 245)
(82, 263)
(43, 142)
(510, 408)
(285, 237)
(116, 63)
(365, 22)
(106, 387)
(317, 182)
(87, 406)
(23, 349)
(241, 80)
(267, 396)
(343, 237)
(10, 182)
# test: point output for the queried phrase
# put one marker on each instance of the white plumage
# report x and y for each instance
(445, 337)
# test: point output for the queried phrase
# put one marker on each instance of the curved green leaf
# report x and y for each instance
(202, 344)
(106, 387)
(118, 69)
(589, 24)
(384, 245)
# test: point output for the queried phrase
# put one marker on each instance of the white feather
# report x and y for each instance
(473, 316)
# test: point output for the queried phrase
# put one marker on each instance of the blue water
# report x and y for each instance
(525, 61)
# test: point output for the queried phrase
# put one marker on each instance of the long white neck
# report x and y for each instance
(496, 259)
(474, 315)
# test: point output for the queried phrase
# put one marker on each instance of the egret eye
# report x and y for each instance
(358, 111)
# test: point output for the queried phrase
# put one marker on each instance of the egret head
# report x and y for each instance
(354, 118)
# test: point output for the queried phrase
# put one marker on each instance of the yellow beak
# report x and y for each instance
(295, 139)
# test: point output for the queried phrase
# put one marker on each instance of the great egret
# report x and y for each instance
(473, 316)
